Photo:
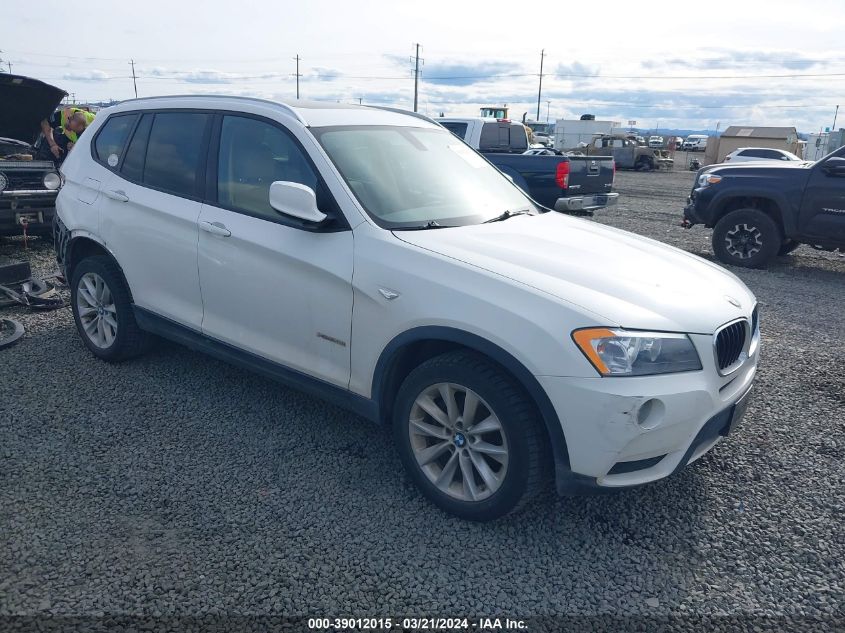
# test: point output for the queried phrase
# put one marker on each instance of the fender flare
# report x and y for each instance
(778, 198)
(521, 374)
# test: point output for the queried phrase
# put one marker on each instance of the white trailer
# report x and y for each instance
(569, 133)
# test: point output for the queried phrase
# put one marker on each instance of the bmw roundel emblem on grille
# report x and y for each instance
(733, 301)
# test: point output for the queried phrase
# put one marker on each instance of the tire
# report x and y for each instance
(513, 464)
(644, 163)
(110, 331)
(787, 247)
(746, 237)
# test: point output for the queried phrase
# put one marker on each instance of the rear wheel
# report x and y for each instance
(102, 310)
(469, 437)
(746, 237)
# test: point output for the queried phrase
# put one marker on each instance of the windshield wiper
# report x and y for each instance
(431, 224)
(507, 214)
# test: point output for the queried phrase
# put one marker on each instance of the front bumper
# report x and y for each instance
(616, 440)
(35, 208)
(586, 203)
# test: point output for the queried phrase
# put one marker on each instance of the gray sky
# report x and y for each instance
(672, 63)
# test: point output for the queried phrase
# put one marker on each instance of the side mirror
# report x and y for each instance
(295, 200)
(834, 166)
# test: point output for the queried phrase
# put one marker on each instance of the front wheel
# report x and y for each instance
(469, 437)
(102, 310)
(746, 237)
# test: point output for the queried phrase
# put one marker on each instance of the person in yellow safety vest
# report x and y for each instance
(66, 124)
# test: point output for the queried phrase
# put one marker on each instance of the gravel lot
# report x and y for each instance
(175, 485)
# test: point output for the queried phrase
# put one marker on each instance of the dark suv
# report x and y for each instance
(760, 210)
(29, 180)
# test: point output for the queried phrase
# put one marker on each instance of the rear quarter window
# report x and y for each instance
(458, 129)
(110, 140)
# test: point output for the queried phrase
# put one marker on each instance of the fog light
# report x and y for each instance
(650, 413)
(52, 181)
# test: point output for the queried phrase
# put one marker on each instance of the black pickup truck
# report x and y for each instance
(560, 182)
(760, 210)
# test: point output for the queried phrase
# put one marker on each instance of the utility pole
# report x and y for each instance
(134, 82)
(833, 129)
(297, 75)
(416, 77)
(548, 107)
(540, 91)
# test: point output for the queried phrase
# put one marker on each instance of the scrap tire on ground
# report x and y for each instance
(510, 424)
(747, 238)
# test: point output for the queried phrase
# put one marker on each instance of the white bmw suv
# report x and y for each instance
(369, 256)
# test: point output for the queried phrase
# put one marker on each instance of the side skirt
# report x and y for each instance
(169, 329)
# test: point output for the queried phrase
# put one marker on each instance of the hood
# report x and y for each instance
(631, 281)
(24, 103)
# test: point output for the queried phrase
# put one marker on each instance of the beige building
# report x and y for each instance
(737, 136)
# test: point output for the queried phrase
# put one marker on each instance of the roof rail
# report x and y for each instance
(290, 110)
(416, 115)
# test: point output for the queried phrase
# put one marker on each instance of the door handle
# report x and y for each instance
(215, 228)
(118, 195)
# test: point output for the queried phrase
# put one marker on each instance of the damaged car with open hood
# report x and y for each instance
(29, 180)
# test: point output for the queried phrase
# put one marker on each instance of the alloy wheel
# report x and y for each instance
(97, 311)
(743, 241)
(458, 442)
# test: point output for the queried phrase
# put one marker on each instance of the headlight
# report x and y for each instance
(708, 179)
(52, 181)
(632, 353)
(4, 182)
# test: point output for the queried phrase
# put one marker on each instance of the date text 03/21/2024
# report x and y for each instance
(417, 624)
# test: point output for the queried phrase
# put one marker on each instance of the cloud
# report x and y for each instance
(463, 74)
(736, 59)
(87, 75)
(322, 74)
(575, 69)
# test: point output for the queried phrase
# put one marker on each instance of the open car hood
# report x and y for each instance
(24, 102)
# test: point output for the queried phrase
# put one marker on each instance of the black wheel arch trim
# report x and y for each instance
(722, 198)
(523, 376)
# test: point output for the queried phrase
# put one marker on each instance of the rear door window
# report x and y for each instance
(175, 152)
(108, 145)
(458, 129)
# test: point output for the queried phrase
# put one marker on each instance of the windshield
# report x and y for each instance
(419, 177)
